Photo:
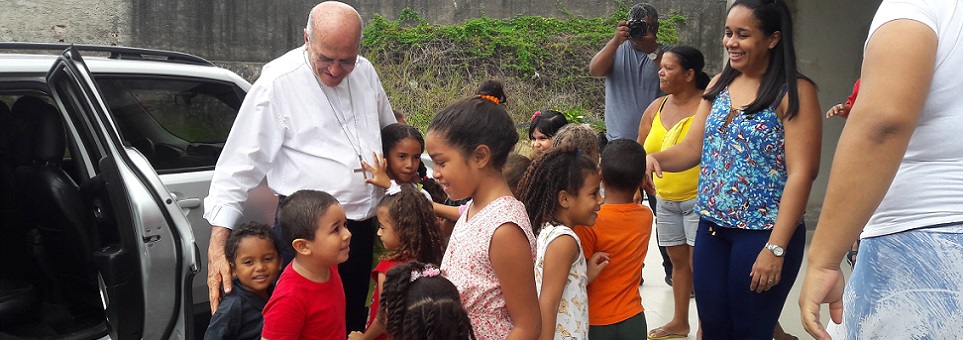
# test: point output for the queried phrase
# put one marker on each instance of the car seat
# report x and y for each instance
(54, 209)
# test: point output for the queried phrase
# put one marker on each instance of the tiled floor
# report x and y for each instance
(657, 296)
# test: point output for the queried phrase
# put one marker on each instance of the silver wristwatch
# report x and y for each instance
(776, 249)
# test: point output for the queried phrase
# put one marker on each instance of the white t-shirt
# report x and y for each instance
(928, 188)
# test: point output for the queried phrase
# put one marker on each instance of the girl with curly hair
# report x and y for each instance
(409, 231)
(560, 191)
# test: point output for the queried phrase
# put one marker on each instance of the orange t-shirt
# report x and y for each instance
(623, 231)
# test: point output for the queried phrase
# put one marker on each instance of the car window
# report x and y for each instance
(178, 124)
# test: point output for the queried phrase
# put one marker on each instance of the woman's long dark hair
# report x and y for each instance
(773, 15)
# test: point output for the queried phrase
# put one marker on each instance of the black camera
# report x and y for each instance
(637, 28)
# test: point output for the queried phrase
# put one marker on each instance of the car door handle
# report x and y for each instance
(189, 203)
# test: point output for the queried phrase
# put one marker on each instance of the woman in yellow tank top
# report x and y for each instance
(666, 122)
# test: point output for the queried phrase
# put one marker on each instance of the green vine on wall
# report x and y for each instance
(529, 38)
(542, 61)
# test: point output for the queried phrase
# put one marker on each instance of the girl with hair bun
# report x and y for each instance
(490, 255)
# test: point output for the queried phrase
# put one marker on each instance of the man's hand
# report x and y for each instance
(218, 269)
(621, 32)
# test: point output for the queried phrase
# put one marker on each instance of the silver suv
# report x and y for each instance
(104, 163)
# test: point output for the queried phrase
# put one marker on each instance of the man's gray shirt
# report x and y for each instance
(630, 87)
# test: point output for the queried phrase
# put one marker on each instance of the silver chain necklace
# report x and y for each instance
(342, 122)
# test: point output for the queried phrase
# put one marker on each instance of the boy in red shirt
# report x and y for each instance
(308, 301)
(622, 230)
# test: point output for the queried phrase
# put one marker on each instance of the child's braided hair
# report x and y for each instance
(562, 168)
(416, 307)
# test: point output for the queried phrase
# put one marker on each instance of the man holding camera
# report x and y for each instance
(630, 64)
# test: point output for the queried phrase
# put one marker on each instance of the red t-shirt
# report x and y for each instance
(302, 309)
(382, 268)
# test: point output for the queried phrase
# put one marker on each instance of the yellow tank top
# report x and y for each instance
(673, 186)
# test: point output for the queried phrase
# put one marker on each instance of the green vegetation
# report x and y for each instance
(543, 62)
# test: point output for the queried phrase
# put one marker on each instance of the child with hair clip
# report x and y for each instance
(409, 232)
(420, 304)
(489, 256)
(402, 146)
(545, 124)
(561, 190)
(252, 251)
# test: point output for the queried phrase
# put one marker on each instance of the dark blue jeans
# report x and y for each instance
(721, 264)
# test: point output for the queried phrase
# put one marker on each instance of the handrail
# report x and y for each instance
(115, 52)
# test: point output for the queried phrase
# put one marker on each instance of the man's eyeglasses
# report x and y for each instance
(324, 62)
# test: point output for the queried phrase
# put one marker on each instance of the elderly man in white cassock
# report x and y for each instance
(308, 122)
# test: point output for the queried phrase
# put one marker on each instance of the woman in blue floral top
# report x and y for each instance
(757, 139)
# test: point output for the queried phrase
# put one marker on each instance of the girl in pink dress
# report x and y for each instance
(490, 255)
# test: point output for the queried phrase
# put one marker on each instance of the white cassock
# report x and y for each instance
(301, 136)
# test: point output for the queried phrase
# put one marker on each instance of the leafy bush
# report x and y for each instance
(543, 62)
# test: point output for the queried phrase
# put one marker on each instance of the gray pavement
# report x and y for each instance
(657, 296)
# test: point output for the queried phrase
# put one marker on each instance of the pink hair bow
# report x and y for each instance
(536, 114)
(429, 271)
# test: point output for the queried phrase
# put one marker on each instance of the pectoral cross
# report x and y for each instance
(364, 174)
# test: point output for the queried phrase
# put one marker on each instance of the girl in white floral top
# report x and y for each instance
(489, 256)
(561, 190)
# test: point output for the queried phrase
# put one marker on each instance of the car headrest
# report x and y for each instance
(49, 140)
(23, 128)
(25, 106)
(7, 129)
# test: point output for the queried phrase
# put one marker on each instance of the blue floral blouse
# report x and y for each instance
(743, 167)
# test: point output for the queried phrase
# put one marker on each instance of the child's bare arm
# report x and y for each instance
(376, 328)
(557, 264)
(517, 277)
(445, 211)
(596, 263)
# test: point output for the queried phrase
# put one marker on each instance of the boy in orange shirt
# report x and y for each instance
(622, 229)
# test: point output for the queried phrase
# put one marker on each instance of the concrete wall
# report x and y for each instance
(829, 47)
(247, 33)
(106, 22)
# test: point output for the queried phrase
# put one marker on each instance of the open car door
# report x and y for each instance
(146, 256)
